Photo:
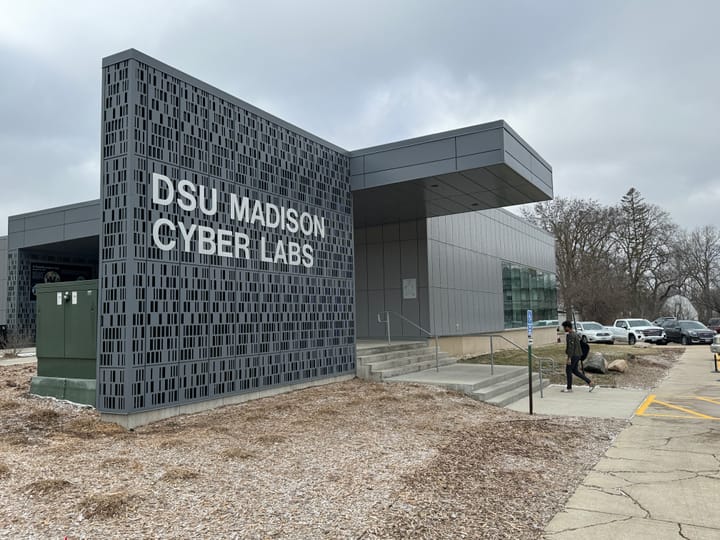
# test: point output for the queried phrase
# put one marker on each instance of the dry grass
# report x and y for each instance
(43, 417)
(647, 364)
(423, 395)
(327, 412)
(92, 427)
(179, 473)
(254, 417)
(8, 405)
(105, 505)
(284, 407)
(174, 442)
(16, 439)
(121, 463)
(237, 453)
(271, 439)
(386, 397)
(46, 487)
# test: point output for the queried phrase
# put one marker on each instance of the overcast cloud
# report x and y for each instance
(613, 94)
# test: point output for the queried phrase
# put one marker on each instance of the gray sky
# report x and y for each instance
(613, 94)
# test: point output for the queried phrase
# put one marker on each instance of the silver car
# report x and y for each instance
(593, 332)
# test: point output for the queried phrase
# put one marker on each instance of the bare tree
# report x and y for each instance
(643, 234)
(698, 254)
(583, 253)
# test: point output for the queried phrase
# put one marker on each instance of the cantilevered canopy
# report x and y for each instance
(475, 168)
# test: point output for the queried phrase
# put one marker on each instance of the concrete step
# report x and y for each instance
(509, 391)
(495, 387)
(502, 375)
(363, 358)
(397, 362)
(414, 367)
(402, 346)
(514, 395)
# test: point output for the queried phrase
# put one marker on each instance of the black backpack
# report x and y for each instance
(585, 348)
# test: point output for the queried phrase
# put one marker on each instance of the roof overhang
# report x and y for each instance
(475, 168)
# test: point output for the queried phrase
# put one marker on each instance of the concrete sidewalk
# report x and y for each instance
(600, 403)
(661, 477)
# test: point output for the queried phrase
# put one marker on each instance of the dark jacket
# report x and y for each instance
(572, 345)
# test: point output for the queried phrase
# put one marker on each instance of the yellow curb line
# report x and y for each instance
(688, 411)
(709, 400)
(645, 404)
(675, 416)
(641, 411)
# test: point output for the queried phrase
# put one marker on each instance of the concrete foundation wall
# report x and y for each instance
(474, 345)
(131, 421)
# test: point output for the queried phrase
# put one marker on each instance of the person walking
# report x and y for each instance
(573, 351)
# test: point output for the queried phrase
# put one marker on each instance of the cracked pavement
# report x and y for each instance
(661, 477)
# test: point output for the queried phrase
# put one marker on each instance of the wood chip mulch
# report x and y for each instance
(356, 460)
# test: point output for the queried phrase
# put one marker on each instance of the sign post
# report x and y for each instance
(530, 372)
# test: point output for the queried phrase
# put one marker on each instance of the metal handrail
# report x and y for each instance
(511, 342)
(387, 324)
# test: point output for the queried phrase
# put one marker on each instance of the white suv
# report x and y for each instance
(634, 330)
(593, 332)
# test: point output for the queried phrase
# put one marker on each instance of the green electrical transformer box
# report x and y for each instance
(66, 340)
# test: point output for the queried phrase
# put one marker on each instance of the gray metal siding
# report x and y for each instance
(30, 241)
(467, 269)
(59, 224)
(465, 257)
(385, 256)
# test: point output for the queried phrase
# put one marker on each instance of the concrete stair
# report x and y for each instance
(508, 389)
(381, 362)
(499, 386)
(414, 362)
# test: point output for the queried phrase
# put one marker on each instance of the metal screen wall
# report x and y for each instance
(183, 319)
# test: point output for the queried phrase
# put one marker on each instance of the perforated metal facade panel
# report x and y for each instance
(198, 301)
(3, 278)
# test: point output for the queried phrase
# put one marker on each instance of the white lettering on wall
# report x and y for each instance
(165, 246)
(206, 240)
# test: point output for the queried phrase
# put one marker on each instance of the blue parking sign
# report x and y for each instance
(529, 322)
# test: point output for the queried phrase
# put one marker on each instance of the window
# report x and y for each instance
(527, 288)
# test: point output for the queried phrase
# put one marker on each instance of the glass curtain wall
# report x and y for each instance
(527, 288)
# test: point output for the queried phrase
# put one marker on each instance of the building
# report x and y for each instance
(238, 255)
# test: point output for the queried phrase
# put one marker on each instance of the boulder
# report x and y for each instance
(618, 365)
(596, 363)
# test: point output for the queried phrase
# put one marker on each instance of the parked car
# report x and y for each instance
(593, 332)
(714, 324)
(688, 332)
(547, 322)
(633, 330)
(661, 320)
